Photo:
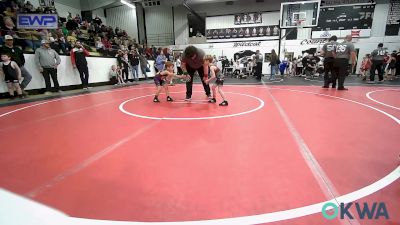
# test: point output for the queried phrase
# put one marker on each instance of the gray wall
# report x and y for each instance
(123, 17)
(159, 25)
(140, 19)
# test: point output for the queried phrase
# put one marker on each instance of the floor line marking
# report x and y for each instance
(321, 177)
(374, 100)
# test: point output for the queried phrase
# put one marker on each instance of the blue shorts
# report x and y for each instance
(159, 81)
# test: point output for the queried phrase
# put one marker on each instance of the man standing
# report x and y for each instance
(259, 61)
(328, 52)
(17, 56)
(134, 60)
(144, 64)
(377, 63)
(344, 53)
(78, 60)
(193, 60)
(48, 60)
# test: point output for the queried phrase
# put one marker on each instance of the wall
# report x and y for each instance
(159, 25)
(220, 8)
(87, 5)
(140, 19)
(98, 69)
(181, 26)
(124, 18)
(63, 6)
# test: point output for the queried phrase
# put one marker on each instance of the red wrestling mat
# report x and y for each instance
(116, 155)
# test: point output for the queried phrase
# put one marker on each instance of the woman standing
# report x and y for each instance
(273, 64)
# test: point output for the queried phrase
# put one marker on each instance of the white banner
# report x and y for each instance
(356, 33)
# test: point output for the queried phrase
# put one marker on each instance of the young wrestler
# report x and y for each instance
(12, 75)
(214, 73)
(162, 79)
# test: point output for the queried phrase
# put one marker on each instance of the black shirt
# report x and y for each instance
(134, 59)
(16, 54)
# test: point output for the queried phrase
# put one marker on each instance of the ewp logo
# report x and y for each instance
(37, 21)
(377, 211)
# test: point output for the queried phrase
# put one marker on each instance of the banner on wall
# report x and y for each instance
(37, 21)
(242, 32)
(393, 19)
(247, 18)
(342, 33)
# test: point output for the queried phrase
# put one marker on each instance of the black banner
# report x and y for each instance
(345, 18)
(248, 18)
(393, 19)
(243, 32)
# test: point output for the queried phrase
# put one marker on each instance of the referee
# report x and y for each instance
(193, 60)
(344, 52)
(328, 52)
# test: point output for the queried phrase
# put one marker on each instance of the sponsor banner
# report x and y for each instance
(37, 21)
(357, 33)
(242, 33)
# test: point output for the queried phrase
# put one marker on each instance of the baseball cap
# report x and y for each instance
(44, 42)
(8, 37)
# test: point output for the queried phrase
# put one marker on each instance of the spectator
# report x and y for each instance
(78, 60)
(123, 63)
(273, 64)
(365, 66)
(8, 28)
(258, 59)
(71, 39)
(69, 17)
(78, 19)
(299, 66)
(97, 20)
(113, 74)
(160, 61)
(63, 44)
(134, 60)
(144, 64)
(391, 67)
(18, 57)
(72, 25)
(99, 45)
(54, 45)
(48, 60)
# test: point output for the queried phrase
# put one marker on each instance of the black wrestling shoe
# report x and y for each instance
(156, 99)
(213, 100)
(224, 103)
(169, 99)
(325, 86)
(343, 89)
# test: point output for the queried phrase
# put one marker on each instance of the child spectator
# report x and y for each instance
(12, 75)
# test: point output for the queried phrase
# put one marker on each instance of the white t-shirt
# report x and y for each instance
(178, 63)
